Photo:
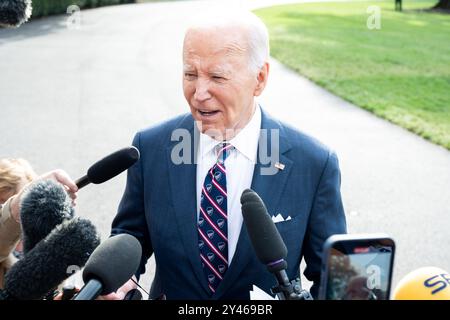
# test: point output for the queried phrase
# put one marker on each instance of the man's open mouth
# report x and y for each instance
(208, 113)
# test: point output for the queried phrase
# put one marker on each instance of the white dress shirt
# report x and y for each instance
(240, 165)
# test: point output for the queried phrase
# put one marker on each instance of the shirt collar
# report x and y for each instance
(246, 141)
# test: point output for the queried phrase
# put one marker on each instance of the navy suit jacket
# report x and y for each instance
(159, 207)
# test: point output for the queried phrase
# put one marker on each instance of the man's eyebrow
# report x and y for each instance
(221, 73)
(188, 67)
(222, 68)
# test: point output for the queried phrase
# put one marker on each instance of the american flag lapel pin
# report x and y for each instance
(279, 166)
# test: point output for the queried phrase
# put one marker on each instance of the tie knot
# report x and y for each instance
(223, 150)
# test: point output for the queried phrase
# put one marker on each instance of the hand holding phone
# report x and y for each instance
(357, 267)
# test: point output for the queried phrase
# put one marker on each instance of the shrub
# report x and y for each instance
(48, 7)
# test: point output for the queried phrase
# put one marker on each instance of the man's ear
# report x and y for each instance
(261, 79)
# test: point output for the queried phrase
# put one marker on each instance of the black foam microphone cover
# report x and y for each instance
(114, 262)
(52, 260)
(14, 12)
(265, 238)
(44, 205)
(113, 164)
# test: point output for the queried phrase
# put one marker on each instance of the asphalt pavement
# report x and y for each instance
(69, 96)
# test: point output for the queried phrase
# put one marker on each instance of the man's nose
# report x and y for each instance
(202, 90)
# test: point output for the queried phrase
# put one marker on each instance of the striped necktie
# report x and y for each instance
(212, 221)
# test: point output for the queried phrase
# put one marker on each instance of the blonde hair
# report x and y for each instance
(13, 172)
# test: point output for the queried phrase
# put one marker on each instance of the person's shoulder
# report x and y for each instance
(183, 121)
(300, 142)
(308, 150)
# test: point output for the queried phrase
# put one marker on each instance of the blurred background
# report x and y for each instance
(371, 79)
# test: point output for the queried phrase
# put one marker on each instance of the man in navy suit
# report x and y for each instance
(182, 197)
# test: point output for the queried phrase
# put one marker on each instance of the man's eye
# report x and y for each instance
(218, 78)
(188, 75)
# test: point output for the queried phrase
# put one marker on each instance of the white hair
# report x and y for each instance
(256, 32)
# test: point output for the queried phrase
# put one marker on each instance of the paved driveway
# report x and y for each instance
(69, 97)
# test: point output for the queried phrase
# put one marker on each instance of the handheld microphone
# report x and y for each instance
(133, 294)
(269, 246)
(49, 263)
(44, 206)
(112, 264)
(14, 12)
(110, 166)
(427, 283)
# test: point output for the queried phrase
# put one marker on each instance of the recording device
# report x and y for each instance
(427, 283)
(44, 205)
(45, 266)
(269, 246)
(14, 12)
(357, 267)
(112, 264)
(110, 166)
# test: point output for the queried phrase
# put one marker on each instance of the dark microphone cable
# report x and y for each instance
(132, 296)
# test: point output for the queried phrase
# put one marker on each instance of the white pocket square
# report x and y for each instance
(279, 218)
(258, 294)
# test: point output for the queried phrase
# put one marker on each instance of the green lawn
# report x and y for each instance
(400, 72)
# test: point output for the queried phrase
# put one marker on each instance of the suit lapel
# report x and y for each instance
(270, 189)
(182, 179)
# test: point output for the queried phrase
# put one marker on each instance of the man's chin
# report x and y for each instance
(212, 130)
(216, 130)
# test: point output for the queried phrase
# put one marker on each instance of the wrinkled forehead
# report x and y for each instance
(226, 41)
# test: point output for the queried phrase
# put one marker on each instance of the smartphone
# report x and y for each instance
(357, 267)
